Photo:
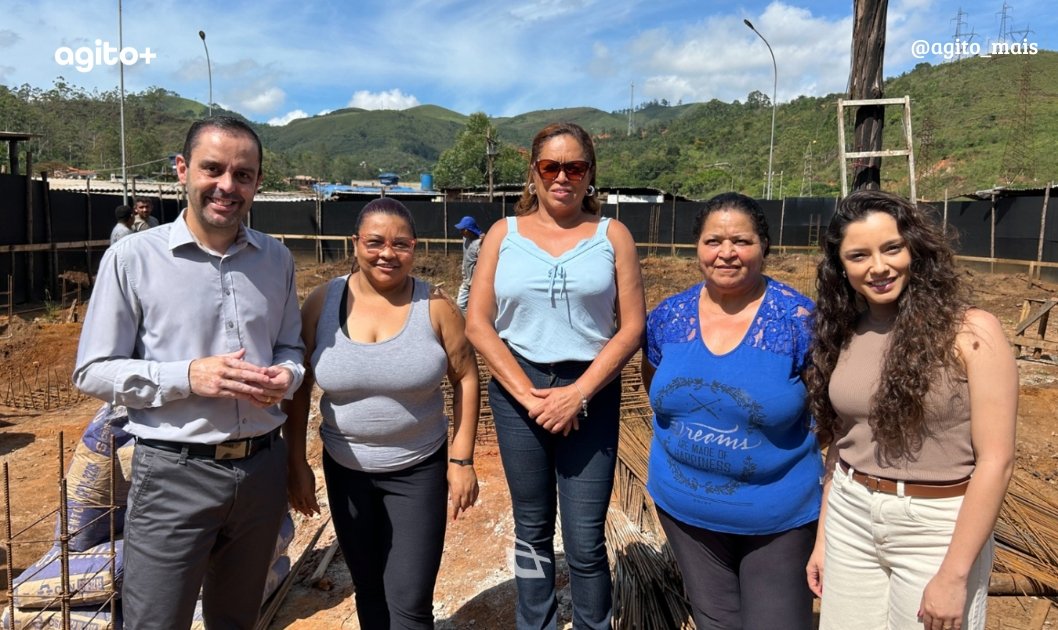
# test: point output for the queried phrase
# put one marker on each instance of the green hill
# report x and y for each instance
(977, 123)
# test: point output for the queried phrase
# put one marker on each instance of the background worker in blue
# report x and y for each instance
(471, 246)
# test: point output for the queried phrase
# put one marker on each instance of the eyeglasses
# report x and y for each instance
(375, 245)
(549, 169)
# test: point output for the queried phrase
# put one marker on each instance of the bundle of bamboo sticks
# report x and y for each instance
(1027, 535)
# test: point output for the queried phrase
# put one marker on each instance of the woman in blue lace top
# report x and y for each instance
(734, 468)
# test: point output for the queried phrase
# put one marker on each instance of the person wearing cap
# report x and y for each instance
(123, 227)
(471, 247)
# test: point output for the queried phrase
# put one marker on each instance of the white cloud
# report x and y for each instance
(263, 101)
(287, 117)
(721, 58)
(392, 99)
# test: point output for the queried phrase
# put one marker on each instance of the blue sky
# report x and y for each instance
(277, 60)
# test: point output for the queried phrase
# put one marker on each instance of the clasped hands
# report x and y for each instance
(230, 376)
(556, 409)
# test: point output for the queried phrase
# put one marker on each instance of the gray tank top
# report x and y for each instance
(382, 408)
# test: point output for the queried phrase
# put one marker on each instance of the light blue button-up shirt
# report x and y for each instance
(160, 301)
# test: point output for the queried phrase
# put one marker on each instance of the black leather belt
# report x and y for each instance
(232, 449)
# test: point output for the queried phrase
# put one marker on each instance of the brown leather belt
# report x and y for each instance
(911, 489)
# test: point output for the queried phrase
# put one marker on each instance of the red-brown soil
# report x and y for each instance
(475, 589)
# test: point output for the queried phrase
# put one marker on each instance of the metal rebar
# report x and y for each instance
(64, 539)
(113, 522)
(9, 546)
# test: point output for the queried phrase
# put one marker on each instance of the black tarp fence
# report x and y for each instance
(664, 227)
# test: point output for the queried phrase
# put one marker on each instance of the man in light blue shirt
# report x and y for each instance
(123, 226)
(195, 327)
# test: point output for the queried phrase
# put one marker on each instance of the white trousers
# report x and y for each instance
(882, 550)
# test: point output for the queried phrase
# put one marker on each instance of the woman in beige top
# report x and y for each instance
(915, 394)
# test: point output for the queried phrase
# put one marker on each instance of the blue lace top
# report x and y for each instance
(732, 449)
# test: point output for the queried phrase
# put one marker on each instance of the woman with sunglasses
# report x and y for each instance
(734, 468)
(916, 394)
(556, 310)
(379, 341)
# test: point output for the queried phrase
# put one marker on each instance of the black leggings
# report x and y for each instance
(391, 528)
(736, 581)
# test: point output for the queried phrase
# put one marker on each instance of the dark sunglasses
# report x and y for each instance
(575, 170)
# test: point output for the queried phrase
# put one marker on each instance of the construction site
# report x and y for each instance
(45, 426)
(64, 456)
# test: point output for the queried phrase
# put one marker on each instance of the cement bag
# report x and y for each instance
(286, 535)
(108, 422)
(80, 619)
(40, 585)
(88, 480)
(276, 574)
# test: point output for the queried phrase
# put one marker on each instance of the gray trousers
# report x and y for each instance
(199, 523)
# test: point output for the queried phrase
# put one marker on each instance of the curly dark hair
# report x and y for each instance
(930, 312)
(528, 203)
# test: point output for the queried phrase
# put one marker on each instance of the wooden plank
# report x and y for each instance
(873, 101)
(885, 153)
(47, 247)
(1039, 614)
(1040, 312)
(909, 143)
(277, 598)
(1015, 584)
(1029, 342)
(842, 157)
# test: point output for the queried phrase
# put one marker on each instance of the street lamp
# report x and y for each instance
(209, 69)
(774, 89)
(121, 109)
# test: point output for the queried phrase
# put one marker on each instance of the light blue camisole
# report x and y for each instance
(556, 308)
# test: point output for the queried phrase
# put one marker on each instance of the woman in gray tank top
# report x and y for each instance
(379, 342)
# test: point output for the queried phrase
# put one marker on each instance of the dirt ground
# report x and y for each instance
(475, 588)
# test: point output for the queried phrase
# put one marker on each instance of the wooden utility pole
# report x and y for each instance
(866, 82)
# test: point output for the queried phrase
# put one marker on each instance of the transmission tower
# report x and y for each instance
(1020, 36)
(960, 38)
(924, 146)
(1004, 22)
(1019, 157)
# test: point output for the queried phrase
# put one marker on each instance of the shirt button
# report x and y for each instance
(231, 324)
(227, 291)
(244, 420)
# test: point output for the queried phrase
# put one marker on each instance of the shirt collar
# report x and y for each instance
(180, 235)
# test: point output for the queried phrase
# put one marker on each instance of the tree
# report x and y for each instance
(465, 164)
(758, 100)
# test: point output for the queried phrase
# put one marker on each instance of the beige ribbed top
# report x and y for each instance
(946, 454)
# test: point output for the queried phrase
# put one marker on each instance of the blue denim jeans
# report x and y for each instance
(577, 473)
